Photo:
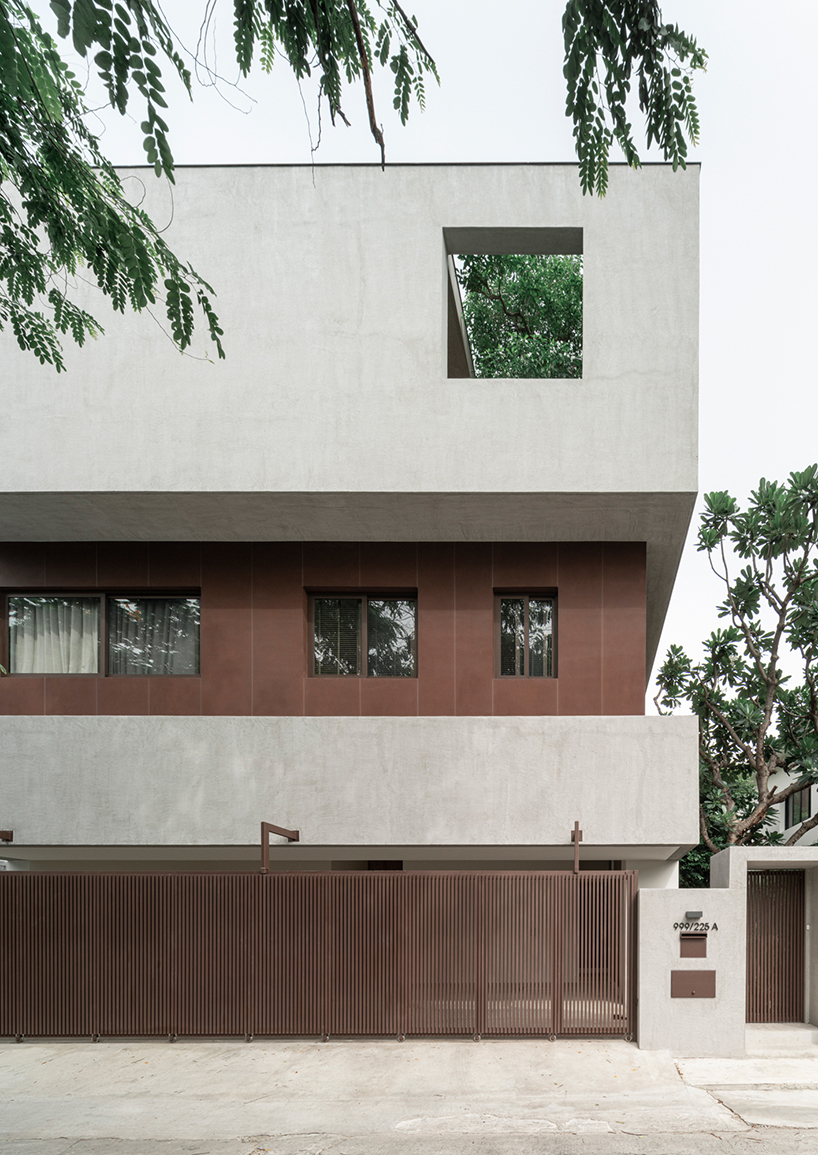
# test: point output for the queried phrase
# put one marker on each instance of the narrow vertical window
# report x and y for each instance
(337, 634)
(525, 625)
(512, 636)
(390, 637)
(539, 637)
(797, 808)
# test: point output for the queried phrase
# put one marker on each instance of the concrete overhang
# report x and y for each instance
(728, 868)
(303, 856)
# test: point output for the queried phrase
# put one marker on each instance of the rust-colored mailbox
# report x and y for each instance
(692, 984)
(693, 944)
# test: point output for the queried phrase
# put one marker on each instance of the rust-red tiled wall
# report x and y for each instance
(254, 625)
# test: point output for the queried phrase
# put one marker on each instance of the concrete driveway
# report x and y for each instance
(296, 1097)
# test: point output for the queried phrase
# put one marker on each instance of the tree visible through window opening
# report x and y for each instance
(523, 314)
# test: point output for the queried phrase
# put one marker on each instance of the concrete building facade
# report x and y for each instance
(339, 455)
(331, 452)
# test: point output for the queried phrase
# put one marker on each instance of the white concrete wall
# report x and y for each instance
(331, 290)
(692, 1027)
(654, 875)
(353, 782)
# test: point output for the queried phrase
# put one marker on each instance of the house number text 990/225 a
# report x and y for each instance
(695, 926)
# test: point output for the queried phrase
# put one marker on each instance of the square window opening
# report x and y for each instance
(372, 636)
(514, 303)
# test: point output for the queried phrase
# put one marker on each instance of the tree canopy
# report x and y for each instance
(758, 723)
(63, 211)
(523, 314)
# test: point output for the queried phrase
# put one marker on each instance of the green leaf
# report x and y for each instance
(62, 10)
(85, 21)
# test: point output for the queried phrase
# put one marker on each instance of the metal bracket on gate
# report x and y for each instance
(267, 828)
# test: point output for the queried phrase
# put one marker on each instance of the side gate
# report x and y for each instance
(313, 953)
(775, 946)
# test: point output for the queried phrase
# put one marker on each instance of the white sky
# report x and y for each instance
(502, 99)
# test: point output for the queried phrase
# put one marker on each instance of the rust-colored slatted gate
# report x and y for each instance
(775, 946)
(343, 953)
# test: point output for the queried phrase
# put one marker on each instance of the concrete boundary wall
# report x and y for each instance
(692, 1028)
(702, 1028)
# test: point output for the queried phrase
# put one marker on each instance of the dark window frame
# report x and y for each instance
(102, 642)
(363, 596)
(526, 594)
(798, 807)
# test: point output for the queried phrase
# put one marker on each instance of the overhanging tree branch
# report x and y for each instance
(607, 42)
(706, 839)
(370, 100)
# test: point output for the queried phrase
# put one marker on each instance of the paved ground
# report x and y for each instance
(423, 1097)
(757, 1142)
(753, 1143)
(775, 1086)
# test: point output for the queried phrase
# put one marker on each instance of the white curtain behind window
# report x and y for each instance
(53, 635)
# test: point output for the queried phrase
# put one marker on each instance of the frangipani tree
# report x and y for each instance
(755, 691)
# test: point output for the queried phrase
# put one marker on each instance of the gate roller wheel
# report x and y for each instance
(248, 1038)
(401, 1038)
(172, 1038)
(325, 1038)
(95, 1038)
(552, 1038)
(476, 1037)
(19, 1038)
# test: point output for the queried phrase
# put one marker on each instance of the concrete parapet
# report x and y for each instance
(509, 783)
